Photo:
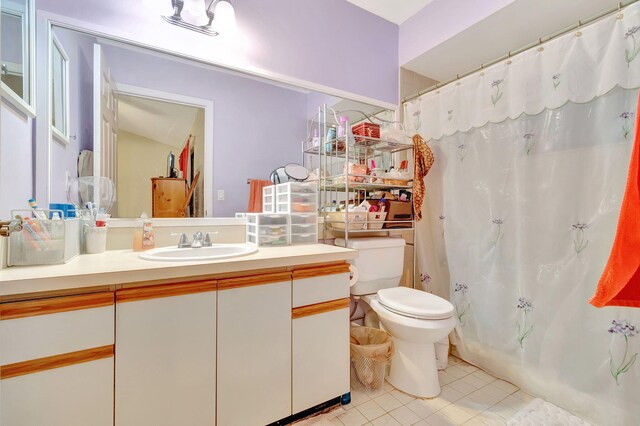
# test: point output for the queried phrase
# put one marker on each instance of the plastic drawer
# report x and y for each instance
(297, 208)
(297, 187)
(273, 230)
(304, 218)
(309, 228)
(304, 239)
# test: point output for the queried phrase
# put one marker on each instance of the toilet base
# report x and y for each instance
(414, 369)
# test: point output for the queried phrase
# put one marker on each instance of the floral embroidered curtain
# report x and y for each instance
(577, 67)
(521, 210)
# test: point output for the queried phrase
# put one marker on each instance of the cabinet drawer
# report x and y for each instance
(309, 291)
(37, 329)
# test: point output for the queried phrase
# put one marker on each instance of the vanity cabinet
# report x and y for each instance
(56, 358)
(254, 349)
(166, 355)
(320, 335)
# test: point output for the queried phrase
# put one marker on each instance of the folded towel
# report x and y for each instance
(422, 160)
(620, 282)
(255, 194)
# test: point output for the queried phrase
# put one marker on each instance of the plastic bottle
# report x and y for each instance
(342, 127)
(148, 238)
(137, 233)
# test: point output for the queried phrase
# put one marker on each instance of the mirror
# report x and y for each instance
(179, 138)
(17, 52)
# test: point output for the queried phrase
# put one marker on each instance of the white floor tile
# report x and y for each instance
(353, 418)
(503, 410)
(456, 414)
(463, 387)
(484, 398)
(514, 402)
(421, 408)
(484, 376)
(474, 422)
(371, 410)
(388, 402)
(467, 368)
(405, 416)
(385, 420)
(490, 419)
(450, 394)
(456, 372)
(387, 387)
(476, 381)
(445, 377)
(358, 398)
(439, 419)
(505, 386)
(437, 403)
(402, 397)
(495, 391)
(470, 405)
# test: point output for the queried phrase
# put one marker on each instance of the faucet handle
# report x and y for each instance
(197, 240)
(208, 241)
(184, 240)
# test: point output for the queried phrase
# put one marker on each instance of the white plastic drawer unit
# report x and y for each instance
(265, 229)
(299, 239)
(304, 219)
(297, 188)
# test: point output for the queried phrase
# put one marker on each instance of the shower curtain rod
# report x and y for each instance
(512, 53)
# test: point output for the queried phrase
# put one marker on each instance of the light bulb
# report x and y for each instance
(194, 11)
(225, 18)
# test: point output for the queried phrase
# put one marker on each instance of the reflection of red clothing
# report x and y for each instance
(620, 281)
(183, 160)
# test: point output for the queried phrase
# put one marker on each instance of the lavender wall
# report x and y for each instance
(79, 48)
(440, 20)
(257, 126)
(16, 151)
(328, 42)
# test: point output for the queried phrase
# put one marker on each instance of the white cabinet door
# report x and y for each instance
(76, 395)
(166, 355)
(320, 353)
(57, 361)
(254, 350)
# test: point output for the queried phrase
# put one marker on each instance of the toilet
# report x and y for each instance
(415, 319)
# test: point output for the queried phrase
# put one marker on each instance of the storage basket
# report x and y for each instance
(337, 220)
(44, 242)
(371, 349)
(370, 130)
(375, 220)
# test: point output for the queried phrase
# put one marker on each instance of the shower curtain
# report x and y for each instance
(521, 210)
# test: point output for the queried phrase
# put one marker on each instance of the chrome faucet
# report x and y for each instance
(199, 240)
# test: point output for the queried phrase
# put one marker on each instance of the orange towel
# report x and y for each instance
(423, 160)
(620, 282)
(255, 194)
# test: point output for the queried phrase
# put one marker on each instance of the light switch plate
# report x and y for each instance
(220, 194)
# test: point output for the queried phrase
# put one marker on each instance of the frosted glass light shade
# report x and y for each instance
(225, 18)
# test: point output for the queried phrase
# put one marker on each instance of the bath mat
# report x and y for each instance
(540, 412)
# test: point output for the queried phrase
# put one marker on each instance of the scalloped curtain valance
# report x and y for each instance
(576, 67)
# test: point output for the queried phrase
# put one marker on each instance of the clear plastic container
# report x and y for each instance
(304, 218)
(266, 240)
(297, 208)
(306, 228)
(297, 188)
(44, 242)
(265, 229)
(304, 239)
(268, 199)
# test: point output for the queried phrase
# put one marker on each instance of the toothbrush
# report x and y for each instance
(37, 213)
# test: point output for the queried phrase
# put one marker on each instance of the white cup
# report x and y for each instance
(95, 239)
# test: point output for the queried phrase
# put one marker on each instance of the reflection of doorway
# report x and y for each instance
(149, 129)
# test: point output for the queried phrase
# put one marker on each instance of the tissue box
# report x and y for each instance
(370, 130)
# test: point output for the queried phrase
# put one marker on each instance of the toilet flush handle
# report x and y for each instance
(354, 275)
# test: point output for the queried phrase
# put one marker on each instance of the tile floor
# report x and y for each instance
(469, 397)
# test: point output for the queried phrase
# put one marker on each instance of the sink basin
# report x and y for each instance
(189, 254)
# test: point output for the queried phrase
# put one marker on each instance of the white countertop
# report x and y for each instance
(124, 266)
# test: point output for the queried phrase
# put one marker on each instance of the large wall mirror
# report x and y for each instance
(157, 123)
(17, 53)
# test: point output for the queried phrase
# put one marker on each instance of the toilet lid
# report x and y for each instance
(415, 303)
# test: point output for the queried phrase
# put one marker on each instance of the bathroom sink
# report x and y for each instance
(189, 254)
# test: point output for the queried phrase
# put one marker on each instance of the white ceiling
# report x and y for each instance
(396, 11)
(512, 27)
(160, 121)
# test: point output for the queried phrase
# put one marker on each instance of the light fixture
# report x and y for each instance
(195, 15)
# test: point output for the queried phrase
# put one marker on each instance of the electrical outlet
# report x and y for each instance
(220, 194)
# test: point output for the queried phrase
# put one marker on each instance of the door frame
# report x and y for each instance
(207, 105)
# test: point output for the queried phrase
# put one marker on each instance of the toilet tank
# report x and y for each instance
(379, 262)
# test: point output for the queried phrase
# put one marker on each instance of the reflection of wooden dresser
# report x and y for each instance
(168, 197)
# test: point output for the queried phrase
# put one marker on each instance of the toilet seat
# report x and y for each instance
(415, 303)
